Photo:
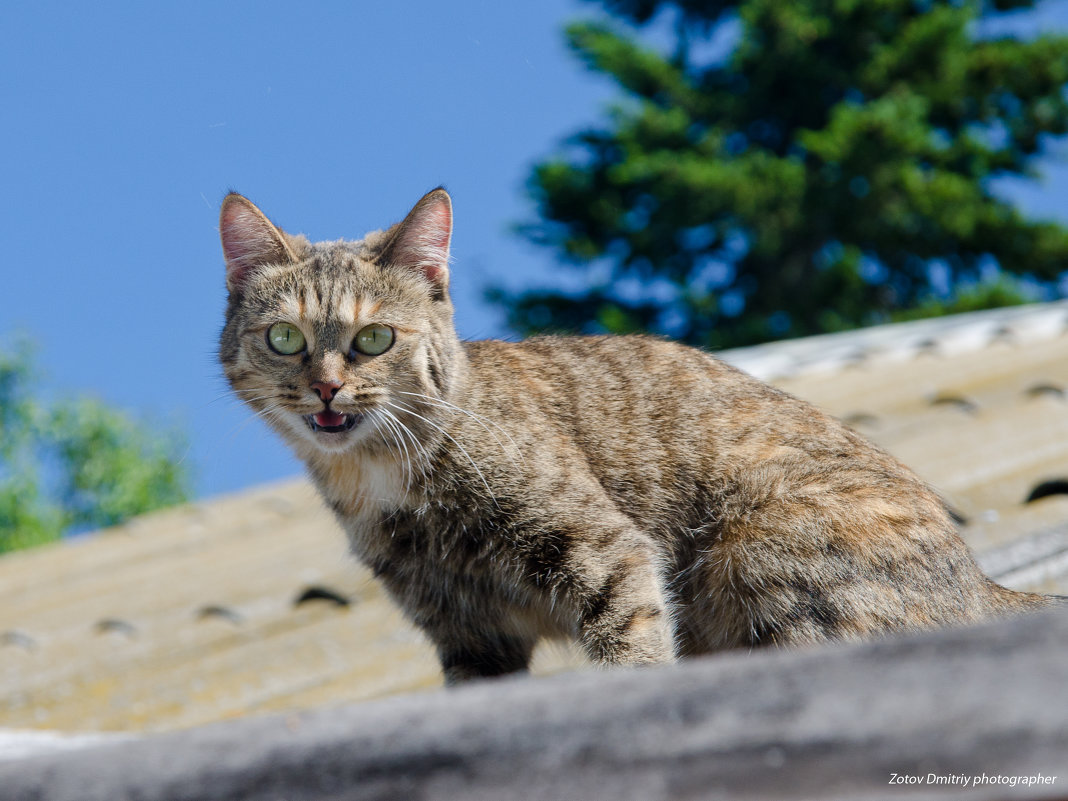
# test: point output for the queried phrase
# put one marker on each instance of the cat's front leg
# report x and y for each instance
(462, 618)
(477, 653)
(625, 619)
(612, 582)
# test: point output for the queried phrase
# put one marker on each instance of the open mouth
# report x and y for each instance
(332, 422)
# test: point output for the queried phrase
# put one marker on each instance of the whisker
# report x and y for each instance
(241, 397)
(482, 421)
(419, 448)
(261, 414)
(463, 450)
(391, 424)
(385, 441)
(388, 425)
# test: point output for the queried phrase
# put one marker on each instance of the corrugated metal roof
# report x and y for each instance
(977, 404)
(191, 615)
(948, 337)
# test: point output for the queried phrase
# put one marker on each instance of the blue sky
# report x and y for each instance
(126, 123)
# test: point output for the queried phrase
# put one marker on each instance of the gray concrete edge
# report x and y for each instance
(834, 722)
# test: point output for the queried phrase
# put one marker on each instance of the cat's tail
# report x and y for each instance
(1006, 600)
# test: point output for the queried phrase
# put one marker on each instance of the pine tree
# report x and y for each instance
(831, 171)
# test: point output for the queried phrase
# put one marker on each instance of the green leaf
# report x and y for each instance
(78, 464)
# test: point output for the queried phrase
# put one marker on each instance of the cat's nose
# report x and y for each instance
(326, 390)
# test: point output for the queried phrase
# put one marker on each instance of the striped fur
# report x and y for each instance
(638, 495)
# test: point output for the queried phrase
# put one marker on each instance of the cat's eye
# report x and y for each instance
(373, 339)
(285, 338)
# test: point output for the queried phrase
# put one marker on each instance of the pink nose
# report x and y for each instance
(326, 390)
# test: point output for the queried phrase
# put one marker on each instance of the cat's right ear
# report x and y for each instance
(249, 240)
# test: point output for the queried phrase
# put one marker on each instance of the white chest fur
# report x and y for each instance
(360, 487)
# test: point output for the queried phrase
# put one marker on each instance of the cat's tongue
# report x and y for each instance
(328, 419)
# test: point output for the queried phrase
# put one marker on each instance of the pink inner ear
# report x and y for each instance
(241, 234)
(424, 243)
(247, 240)
(438, 235)
(440, 231)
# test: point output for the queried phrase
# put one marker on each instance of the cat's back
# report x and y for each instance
(653, 419)
(634, 366)
(642, 386)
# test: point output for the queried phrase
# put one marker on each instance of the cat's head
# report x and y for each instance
(336, 343)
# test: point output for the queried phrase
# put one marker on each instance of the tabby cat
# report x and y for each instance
(633, 493)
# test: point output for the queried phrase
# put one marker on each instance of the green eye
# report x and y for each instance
(373, 339)
(285, 339)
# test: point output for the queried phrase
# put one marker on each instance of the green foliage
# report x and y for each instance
(76, 464)
(994, 294)
(807, 182)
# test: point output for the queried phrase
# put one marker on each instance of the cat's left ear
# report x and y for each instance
(421, 242)
(249, 240)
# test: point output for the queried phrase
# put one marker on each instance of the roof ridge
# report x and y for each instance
(948, 335)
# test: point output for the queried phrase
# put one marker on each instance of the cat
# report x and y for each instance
(633, 493)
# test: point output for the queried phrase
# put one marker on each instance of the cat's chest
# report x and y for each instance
(432, 543)
(360, 489)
